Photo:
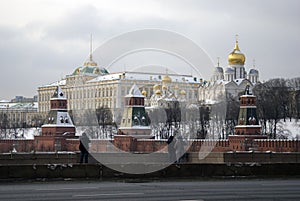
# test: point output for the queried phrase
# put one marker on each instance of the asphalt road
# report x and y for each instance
(254, 189)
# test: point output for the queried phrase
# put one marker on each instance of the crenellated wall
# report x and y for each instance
(130, 144)
(277, 145)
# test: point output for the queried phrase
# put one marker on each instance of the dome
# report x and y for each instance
(158, 92)
(229, 71)
(219, 70)
(182, 92)
(90, 63)
(144, 93)
(164, 87)
(166, 79)
(84, 70)
(236, 56)
(253, 72)
(156, 87)
(176, 87)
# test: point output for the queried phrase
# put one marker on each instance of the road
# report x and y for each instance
(253, 189)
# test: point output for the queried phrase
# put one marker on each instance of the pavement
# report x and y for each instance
(175, 190)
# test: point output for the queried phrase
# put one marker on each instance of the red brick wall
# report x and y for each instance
(278, 145)
(19, 145)
(127, 143)
(51, 131)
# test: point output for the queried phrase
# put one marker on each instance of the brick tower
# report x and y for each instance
(248, 122)
(58, 125)
(248, 127)
(135, 121)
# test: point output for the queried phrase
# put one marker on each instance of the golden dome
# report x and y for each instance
(176, 87)
(156, 87)
(144, 93)
(236, 56)
(164, 87)
(182, 92)
(158, 92)
(166, 79)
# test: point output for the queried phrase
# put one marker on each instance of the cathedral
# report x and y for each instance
(228, 82)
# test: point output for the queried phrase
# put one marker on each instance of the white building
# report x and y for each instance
(229, 82)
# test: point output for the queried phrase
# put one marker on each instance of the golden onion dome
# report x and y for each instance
(166, 79)
(236, 56)
(144, 93)
(156, 87)
(164, 87)
(182, 92)
(176, 87)
(158, 92)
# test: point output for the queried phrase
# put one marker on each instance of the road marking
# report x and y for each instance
(62, 189)
(108, 194)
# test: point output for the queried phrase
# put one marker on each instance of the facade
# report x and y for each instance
(229, 82)
(90, 87)
(19, 115)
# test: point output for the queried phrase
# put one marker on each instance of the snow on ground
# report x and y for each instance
(291, 129)
(31, 132)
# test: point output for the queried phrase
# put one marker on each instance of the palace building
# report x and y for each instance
(90, 87)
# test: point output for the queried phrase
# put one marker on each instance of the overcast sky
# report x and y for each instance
(41, 41)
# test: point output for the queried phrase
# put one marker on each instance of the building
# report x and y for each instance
(19, 115)
(231, 81)
(90, 87)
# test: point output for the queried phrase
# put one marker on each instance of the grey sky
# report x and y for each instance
(41, 41)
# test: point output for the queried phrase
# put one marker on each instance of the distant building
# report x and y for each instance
(19, 115)
(229, 81)
(22, 99)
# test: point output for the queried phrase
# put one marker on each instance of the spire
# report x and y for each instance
(237, 42)
(90, 61)
(254, 63)
(91, 48)
(218, 59)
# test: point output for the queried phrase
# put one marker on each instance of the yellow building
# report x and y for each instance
(90, 87)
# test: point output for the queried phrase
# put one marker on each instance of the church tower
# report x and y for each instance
(236, 60)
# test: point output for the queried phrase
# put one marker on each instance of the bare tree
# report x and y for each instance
(104, 118)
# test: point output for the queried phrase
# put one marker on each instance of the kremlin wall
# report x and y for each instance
(58, 134)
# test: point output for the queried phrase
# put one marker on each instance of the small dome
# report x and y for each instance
(176, 87)
(144, 93)
(164, 87)
(166, 79)
(158, 92)
(236, 56)
(229, 70)
(182, 92)
(253, 72)
(219, 70)
(156, 87)
(90, 63)
(77, 71)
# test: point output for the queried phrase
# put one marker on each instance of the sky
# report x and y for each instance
(42, 41)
